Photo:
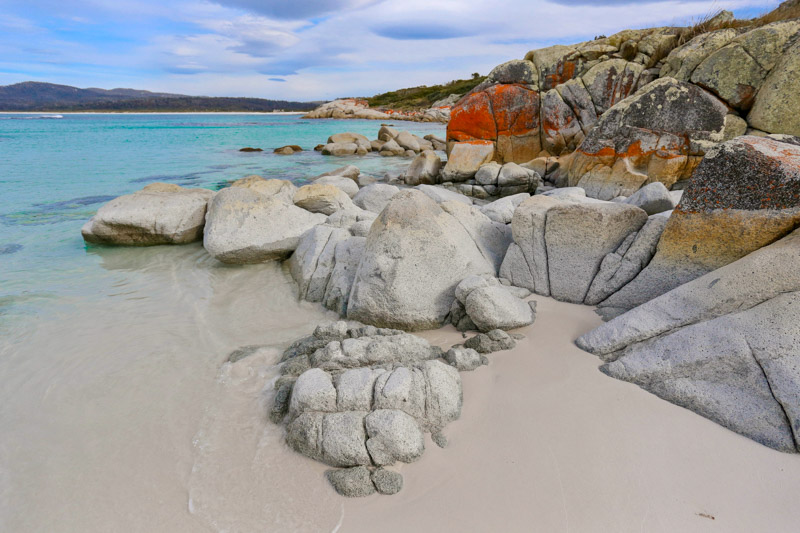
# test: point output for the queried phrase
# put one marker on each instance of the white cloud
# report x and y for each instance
(328, 48)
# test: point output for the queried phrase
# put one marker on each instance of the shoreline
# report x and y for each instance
(153, 112)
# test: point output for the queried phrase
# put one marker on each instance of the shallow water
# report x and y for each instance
(117, 409)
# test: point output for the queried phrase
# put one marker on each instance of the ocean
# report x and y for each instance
(117, 409)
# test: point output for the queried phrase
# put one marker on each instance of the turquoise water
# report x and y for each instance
(56, 172)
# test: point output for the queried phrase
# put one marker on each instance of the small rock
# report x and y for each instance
(288, 149)
(492, 341)
(386, 481)
(464, 359)
(352, 482)
(249, 149)
(439, 439)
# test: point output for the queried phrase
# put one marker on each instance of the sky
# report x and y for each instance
(304, 49)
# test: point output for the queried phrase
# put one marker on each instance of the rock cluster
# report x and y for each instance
(358, 108)
(390, 142)
(359, 398)
(483, 303)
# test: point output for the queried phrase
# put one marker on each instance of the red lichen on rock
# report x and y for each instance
(472, 118)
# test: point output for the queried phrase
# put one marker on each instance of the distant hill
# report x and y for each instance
(37, 96)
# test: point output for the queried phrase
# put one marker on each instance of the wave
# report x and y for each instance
(46, 117)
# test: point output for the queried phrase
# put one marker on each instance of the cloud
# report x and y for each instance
(297, 9)
(421, 31)
(309, 49)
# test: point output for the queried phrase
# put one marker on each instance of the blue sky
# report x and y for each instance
(303, 49)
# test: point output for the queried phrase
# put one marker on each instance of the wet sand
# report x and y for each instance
(119, 414)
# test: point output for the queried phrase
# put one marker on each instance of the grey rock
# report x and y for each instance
(313, 261)
(502, 210)
(492, 341)
(391, 148)
(424, 169)
(491, 238)
(739, 370)
(347, 256)
(343, 439)
(349, 171)
(403, 388)
(347, 185)
(322, 198)
(340, 149)
(441, 195)
(652, 198)
(439, 439)
(516, 269)
(280, 403)
(626, 262)
(331, 331)
(353, 482)
(243, 226)
(578, 237)
(496, 308)
(465, 359)
(282, 189)
(361, 229)
(375, 197)
(470, 283)
(407, 141)
(393, 436)
(415, 255)
(512, 174)
(443, 395)
(487, 173)
(160, 213)
(386, 481)
(313, 391)
(465, 159)
(755, 278)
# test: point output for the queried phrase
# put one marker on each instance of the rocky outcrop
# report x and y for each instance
(659, 134)
(638, 107)
(561, 243)
(415, 255)
(723, 345)
(161, 213)
(743, 196)
(244, 226)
